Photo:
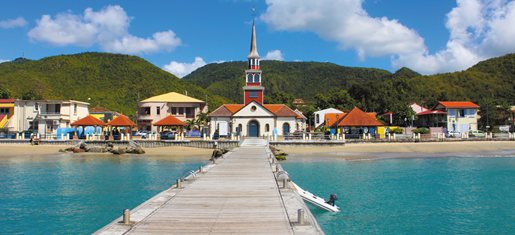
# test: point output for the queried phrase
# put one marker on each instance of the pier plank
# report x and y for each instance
(240, 195)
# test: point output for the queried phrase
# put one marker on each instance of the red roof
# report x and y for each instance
(356, 117)
(121, 120)
(170, 120)
(88, 121)
(227, 110)
(331, 118)
(428, 112)
(3, 101)
(458, 104)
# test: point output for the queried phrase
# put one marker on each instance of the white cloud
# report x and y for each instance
(274, 55)
(346, 22)
(13, 23)
(2, 61)
(107, 27)
(479, 29)
(180, 69)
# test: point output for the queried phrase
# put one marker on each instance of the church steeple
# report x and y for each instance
(253, 54)
(253, 91)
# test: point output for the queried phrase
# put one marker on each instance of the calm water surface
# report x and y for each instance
(67, 194)
(451, 195)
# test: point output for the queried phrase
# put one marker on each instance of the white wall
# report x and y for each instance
(321, 114)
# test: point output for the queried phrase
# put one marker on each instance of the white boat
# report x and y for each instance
(315, 200)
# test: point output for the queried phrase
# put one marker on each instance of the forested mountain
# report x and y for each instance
(113, 81)
(118, 82)
(304, 79)
(328, 85)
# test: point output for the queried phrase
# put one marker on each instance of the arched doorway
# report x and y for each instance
(253, 129)
(286, 128)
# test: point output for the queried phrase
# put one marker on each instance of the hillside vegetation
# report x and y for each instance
(113, 81)
(325, 85)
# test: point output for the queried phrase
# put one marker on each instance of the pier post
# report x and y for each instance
(179, 184)
(309, 136)
(300, 216)
(126, 216)
(285, 183)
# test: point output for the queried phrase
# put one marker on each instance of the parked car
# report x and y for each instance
(168, 135)
(142, 133)
(453, 134)
(477, 133)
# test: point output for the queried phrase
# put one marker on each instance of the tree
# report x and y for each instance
(5, 93)
(487, 111)
(31, 95)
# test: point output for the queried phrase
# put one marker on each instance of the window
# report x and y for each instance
(451, 112)
(318, 118)
(256, 77)
(253, 94)
(4, 110)
(36, 106)
(174, 110)
(75, 108)
(461, 112)
(181, 111)
(249, 77)
(158, 110)
(267, 128)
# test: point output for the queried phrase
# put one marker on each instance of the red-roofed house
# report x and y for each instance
(254, 118)
(459, 116)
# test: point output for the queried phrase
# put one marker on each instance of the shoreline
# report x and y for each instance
(24, 151)
(375, 151)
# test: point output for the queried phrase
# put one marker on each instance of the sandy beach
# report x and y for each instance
(361, 151)
(21, 150)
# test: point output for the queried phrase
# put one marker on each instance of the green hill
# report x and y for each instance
(328, 85)
(303, 79)
(113, 81)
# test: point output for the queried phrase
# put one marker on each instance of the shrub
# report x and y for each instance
(421, 130)
(396, 131)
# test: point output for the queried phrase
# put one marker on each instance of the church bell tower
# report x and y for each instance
(253, 91)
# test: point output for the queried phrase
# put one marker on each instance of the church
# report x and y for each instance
(254, 118)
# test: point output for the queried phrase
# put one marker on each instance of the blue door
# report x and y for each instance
(286, 129)
(253, 129)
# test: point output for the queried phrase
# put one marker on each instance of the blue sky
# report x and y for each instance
(179, 36)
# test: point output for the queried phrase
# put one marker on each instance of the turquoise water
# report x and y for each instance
(451, 195)
(78, 195)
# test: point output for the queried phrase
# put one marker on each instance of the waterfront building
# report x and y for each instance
(354, 124)
(45, 116)
(158, 107)
(103, 114)
(455, 116)
(254, 118)
(320, 115)
(6, 111)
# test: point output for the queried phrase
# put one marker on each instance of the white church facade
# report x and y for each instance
(254, 118)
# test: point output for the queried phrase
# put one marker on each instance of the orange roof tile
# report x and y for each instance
(170, 120)
(121, 120)
(88, 121)
(356, 117)
(458, 104)
(233, 108)
(332, 118)
(280, 110)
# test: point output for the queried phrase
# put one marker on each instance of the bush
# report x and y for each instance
(396, 130)
(421, 130)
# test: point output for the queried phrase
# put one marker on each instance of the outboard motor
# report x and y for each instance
(332, 199)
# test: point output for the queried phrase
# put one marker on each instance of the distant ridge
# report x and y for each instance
(114, 81)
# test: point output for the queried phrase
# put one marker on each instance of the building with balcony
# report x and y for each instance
(456, 116)
(158, 107)
(45, 116)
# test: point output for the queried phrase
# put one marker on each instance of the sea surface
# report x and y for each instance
(66, 194)
(444, 195)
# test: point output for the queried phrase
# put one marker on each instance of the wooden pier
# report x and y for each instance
(239, 194)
